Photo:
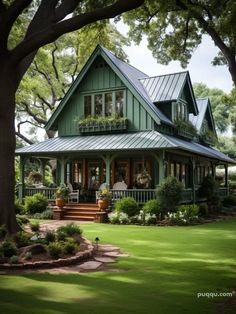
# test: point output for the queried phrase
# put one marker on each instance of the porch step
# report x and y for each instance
(81, 211)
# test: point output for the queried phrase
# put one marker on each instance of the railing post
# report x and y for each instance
(21, 184)
(226, 179)
(193, 180)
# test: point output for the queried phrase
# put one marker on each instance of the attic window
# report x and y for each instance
(180, 111)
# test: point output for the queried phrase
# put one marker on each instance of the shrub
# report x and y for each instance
(3, 231)
(134, 219)
(22, 219)
(127, 205)
(55, 249)
(28, 256)
(118, 218)
(203, 209)
(50, 236)
(208, 188)
(34, 226)
(70, 229)
(152, 207)
(19, 208)
(185, 215)
(21, 239)
(14, 259)
(170, 193)
(61, 235)
(70, 246)
(46, 214)
(8, 249)
(36, 203)
(190, 210)
(229, 200)
(146, 218)
(114, 217)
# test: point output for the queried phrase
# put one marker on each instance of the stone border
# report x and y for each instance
(78, 258)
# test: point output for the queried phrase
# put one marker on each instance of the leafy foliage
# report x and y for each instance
(8, 248)
(34, 226)
(208, 188)
(127, 205)
(170, 193)
(229, 200)
(55, 249)
(21, 239)
(152, 207)
(70, 229)
(174, 29)
(36, 203)
(185, 215)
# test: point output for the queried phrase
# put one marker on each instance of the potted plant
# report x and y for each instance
(104, 196)
(61, 195)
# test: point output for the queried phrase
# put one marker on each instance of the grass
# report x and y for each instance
(166, 269)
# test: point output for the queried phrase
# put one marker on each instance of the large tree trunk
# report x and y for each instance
(8, 86)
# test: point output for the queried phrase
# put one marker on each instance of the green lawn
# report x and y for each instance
(166, 269)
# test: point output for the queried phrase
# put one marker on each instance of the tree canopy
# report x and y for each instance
(174, 29)
(49, 20)
(54, 68)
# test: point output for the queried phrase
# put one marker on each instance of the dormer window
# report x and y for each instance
(104, 104)
(180, 111)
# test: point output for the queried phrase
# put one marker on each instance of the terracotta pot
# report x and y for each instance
(60, 202)
(103, 204)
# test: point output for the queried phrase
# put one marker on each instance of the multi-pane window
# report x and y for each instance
(180, 111)
(87, 106)
(108, 104)
(104, 104)
(98, 105)
(119, 102)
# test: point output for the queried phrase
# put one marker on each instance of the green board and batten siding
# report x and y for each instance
(101, 79)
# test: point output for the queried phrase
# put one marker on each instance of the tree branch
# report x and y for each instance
(53, 61)
(9, 17)
(23, 137)
(39, 36)
(65, 8)
(33, 115)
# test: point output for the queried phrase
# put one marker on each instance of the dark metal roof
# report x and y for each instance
(203, 105)
(164, 87)
(197, 121)
(118, 142)
(111, 142)
(135, 78)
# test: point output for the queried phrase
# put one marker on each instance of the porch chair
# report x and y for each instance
(118, 187)
(73, 195)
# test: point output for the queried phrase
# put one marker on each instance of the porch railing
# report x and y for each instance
(48, 192)
(140, 195)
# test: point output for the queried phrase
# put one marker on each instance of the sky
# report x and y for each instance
(200, 67)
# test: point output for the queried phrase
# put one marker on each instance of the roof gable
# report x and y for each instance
(205, 112)
(169, 87)
(127, 73)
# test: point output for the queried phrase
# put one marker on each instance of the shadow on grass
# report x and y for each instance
(166, 269)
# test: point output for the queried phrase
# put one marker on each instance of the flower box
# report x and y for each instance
(104, 126)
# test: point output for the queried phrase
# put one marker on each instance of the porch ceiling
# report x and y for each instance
(146, 140)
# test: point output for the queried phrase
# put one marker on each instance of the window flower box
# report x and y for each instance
(108, 125)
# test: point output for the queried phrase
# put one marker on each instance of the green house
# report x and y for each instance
(117, 125)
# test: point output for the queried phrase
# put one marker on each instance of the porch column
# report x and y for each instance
(62, 170)
(43, 163)
(161, 167)
(108, 159)
(193, 163)
(21, 184)
(227, 179)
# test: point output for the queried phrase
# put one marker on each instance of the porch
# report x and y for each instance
(140, 195)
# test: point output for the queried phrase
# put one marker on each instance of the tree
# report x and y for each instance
(50, 20)
(53, 70)
(174, 29)
(220, 103)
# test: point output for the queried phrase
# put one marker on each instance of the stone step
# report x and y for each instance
(73, 217)
(78, 213)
